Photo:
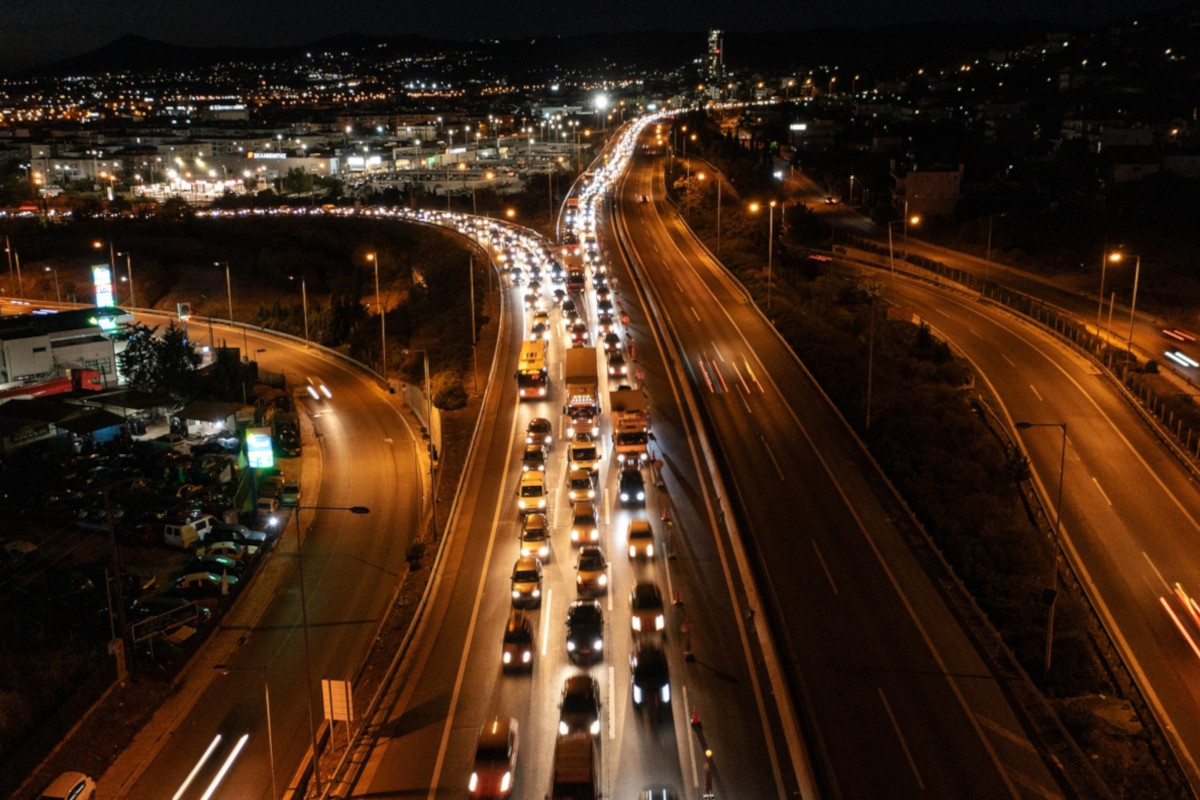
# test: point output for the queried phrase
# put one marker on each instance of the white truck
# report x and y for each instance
(630, 425)
(582, 408)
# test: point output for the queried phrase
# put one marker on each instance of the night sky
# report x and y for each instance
(35, 32)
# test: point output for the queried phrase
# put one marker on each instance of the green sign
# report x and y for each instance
(259, 451)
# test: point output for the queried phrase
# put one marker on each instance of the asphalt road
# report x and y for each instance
(351, 564)
(452, 679)
(890, 679)
(1130, 510)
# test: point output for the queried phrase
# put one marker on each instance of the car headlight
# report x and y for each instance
(658, 622)
(563, 728)
(474, 782)
(602, 580)
(624, 497)
(507, 658)
(516, 594)
(641, 496)
(542, 503)
(666, 693)
(506, 782)
(574, 534)
(538, 593)
(637, 694)
(570, 646)
(543, 551)
(520, 504)
(650, 550)
(579, 580)
(635, 621)
(598, 644)
(632, 551)
(595, 727)
(526, 656)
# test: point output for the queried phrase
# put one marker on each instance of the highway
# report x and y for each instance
(451, 677)
(351, 565)
(888, 676)
(1130, 515)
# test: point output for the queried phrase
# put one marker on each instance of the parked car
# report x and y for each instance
(289, 495)
(211, 563)
(202, 584)
(70, 786)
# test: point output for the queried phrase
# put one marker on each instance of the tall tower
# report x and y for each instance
(715, 71)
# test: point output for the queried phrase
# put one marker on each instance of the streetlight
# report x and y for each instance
(129, 272)
(57, 293)
(1053, 592)
(891, 250)
(429, 425)
(225, 669)
(1137, 270)
(228, 287)
(770, 244)
(112, 259)
(304, 300)
(374, 258)
(988, 259)
(312, 716)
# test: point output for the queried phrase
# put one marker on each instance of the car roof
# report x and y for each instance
(584, 508)
(640, 527)
(645, 593)
(532, 477)
(493, 735)
(527, 562)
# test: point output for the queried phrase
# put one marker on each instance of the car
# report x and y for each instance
(603, 292)
(569, 311)
(289, 495)
(560, 296)
(213, 563)
(612, 343)
(580, 335)
(646, 605)
(583, 455)
(591, 570)
(539, 330)
(640, 537)
(541, 315)
(650, 678)
(267, 510)
(616, 365)
(583, 522)
(70, 786)
(535, 537)
(599, 279)
(533, 458)
(581, 485)
(495, 764)
(271, 486)
(604, 306)
(531, 301)
(517, 649)
(631, 487)
(643, 198)
(830, 200)
(540, 431)
(317, 389)
(583, 421)
(202, 584)
(605, 323)
(585, 630)
(531, 495)
(579, 708)
(527, 582)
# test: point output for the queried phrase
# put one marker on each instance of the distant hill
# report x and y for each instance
(840, 48)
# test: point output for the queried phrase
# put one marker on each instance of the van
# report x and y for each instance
(187, 534)
(576, 773)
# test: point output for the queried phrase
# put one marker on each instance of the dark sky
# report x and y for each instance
(34, 32)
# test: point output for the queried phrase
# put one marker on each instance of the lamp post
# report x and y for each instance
(112, 259)
(225, 669)
(754, 207)
(1053, 592)
(1137, 270)
(429, 425)
(987, 266)
(718, 179)
(373, 257)
(228, 287)
(312, 715)
(129, 273)
(57, 293)
(304, 301)
(891, 250)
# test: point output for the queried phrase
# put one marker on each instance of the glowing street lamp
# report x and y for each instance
(1137, 270)
(914, 220)
(754, 207)
(374, 258)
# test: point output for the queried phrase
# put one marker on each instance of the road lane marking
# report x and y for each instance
(691, 747)
(1020, 741)
(753, 377)
(694, 314)
(824, 566)
(546, 620)
(900, 736)
(746, 403)
(742, 380)
(1035, 392)
(1009, 360)
(716, 349)
(1157, 574)
(612, 704)
(1102, 494)
(772, 456)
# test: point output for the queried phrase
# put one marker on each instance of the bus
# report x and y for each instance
(533, 380)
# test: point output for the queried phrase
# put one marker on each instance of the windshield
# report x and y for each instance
(591, 562)
(531, 490)
(525, 576)
(585, 453)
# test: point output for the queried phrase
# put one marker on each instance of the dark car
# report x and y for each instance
(579, 711)
(585, 630)
(650, 679)
(631, 487)
(217, 564)
(540, 431)
(534, 458)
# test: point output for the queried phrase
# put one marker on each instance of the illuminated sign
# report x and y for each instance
(799, 126)
(102, 280)
(259, 452)
(266, 155)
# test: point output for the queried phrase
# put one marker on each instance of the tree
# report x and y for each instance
(165, 363)
(139, 360)
(297, 181)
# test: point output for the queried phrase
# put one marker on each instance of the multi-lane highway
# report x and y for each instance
(351, 564)
(1130, 510)
(888, 676)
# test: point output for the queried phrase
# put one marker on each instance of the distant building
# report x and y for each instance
(715, 62)
(930, 193)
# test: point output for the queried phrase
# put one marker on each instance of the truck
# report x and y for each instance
(576, 774)
(630, 425)
(582, 408)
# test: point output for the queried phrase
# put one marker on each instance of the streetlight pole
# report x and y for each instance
(988, 259)
(770, 250)
(225, 669)
(1103, 267)
(304, 301)
(474, 340)
(1137, 270)
(891, 248)
(374, 258)
(129, 273)
(57, 293)
(718, 213)
(312, 715)
(1053, 593)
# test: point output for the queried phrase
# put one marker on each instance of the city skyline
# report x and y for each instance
(33, 33)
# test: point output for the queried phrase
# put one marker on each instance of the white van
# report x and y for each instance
(189, 533)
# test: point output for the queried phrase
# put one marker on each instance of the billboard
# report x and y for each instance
(259, 451)
(102, 280)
